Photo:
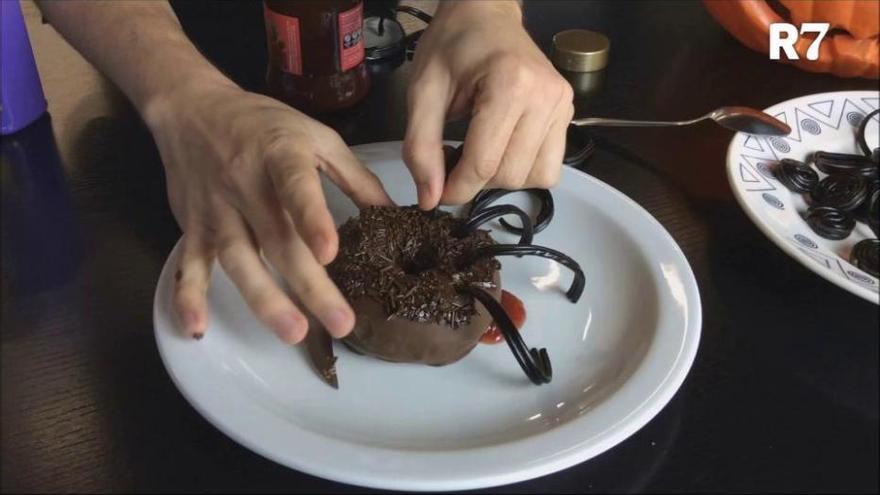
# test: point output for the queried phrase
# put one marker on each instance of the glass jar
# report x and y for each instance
(316, 53)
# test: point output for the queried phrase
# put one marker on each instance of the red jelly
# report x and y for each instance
(515, 310)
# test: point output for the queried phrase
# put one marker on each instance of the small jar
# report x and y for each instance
(581, 57)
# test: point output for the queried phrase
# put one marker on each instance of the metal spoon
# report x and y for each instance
(740, 119)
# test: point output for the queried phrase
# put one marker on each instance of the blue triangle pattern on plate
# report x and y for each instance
(750, 168)
(743, 172)
(752, 143)
(824, 107)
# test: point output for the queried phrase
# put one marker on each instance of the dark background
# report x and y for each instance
(783, 395)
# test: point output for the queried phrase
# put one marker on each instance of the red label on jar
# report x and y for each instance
(351, 42)
(282, 34)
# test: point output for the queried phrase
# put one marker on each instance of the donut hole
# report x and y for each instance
(422, 259)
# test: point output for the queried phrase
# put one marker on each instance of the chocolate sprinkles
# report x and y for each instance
(410, 261)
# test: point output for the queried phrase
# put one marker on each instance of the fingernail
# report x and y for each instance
(198, 335)
(287, 326)
(337, 321)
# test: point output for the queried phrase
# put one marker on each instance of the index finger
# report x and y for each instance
(295, 178)
(487, 137)
(423, 142)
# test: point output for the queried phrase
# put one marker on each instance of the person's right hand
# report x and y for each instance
(243, 177)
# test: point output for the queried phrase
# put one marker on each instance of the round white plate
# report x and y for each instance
(825, 121)
(618, 355)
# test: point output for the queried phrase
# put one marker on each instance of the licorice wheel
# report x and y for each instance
(830, 223)
(843, 192)
(863, 212)
(860, 134)
(844, 163)
(797, 176)
(874, 212)
(865, 256)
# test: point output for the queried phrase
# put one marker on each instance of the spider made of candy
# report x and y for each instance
(414, 279)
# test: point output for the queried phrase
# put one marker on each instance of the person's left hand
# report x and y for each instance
(476, 58)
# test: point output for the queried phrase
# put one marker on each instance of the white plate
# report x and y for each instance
(618, 355)
(825, 121)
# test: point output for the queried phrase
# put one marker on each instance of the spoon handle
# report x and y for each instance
(603, 122)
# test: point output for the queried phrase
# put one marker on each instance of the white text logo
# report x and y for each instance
(784, 35)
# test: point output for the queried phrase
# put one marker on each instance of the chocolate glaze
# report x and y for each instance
(406, 341)
(399, 268)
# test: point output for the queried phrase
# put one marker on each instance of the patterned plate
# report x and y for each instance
(826, 121)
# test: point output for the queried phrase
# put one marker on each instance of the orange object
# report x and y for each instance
(850, 49)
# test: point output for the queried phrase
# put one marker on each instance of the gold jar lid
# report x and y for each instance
(579, 50)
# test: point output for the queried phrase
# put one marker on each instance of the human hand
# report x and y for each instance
(476, 58)
(243, 177)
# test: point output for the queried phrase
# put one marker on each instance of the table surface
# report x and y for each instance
(782, 396)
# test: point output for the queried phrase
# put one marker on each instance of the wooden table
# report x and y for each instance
(783, 395)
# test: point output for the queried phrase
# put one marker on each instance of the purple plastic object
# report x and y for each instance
(21, 93)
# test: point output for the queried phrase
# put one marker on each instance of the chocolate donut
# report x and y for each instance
(400, 269)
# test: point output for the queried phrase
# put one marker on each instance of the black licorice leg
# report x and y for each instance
(545, 215)
(577, 285)
(863, 142)
(496, 211)
(484, 198)
(534, 363)
(542, 219)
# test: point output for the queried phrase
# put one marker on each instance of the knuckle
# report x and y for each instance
(312, 286)
(289, 180)
(229, 253)
(264, 303)
(275, 141)
(507, 64)
(327, 137)
(567, 91)
(569, 112)
(485, 169)
(309, 289)
(546, 177)
(180, 300)
(233, 172)
(416, 152)
(522, 79)
(510, 180)
(274, 245)
(515, 182)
